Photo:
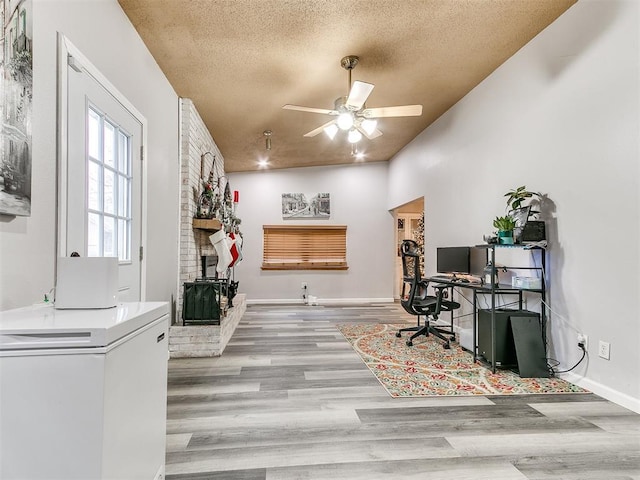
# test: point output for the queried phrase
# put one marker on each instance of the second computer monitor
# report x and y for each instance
(461, 260)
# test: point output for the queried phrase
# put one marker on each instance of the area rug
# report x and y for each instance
(427, 369)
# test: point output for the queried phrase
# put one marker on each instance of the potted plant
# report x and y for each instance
(519, 207)
(505, 226)
(517, 196)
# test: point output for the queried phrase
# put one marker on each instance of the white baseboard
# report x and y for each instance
(321, 301)
(610, 394)
(274, 301)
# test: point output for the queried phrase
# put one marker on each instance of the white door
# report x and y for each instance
(103, 185)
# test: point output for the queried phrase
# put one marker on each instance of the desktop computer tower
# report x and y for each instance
(505, 346)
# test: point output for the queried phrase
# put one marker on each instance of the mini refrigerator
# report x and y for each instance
(83, 392)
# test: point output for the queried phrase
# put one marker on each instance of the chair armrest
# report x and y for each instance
(439, 295)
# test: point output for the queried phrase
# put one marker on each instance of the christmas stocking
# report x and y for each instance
(235, 249)
(219, 241)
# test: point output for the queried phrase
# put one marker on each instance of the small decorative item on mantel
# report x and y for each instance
(208, 202)
(207, 206)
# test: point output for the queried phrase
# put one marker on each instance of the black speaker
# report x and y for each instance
(533, 231)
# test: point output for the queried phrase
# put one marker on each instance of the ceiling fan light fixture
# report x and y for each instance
(331, 130)
(354, 136)
(345, 121)
(369, 125)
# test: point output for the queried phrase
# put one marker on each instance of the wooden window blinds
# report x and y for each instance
(304, 247)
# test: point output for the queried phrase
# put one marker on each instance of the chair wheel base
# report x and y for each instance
(446, 346)
(398, 334)
(409, 343)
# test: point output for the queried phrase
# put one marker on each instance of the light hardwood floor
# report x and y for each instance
(290, 399)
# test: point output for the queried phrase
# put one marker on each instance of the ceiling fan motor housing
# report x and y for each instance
(349, 62)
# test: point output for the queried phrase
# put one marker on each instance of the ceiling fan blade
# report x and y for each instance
(399, 111)
(359, 93)
(319, 130)
(375, 134)
(310, 109)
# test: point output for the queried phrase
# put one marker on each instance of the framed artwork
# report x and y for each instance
(302, 205)
(16, 92)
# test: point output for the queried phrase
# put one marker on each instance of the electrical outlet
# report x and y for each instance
(584, 340)
(604, 349)
(303, 285)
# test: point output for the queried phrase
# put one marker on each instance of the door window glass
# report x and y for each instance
(108, 188)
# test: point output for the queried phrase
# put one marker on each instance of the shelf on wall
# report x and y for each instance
(211, 224)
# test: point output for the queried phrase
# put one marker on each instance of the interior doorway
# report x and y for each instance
(409, 224)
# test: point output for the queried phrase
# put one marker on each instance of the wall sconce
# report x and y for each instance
(267, 134)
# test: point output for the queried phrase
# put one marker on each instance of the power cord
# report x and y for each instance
(555, 372)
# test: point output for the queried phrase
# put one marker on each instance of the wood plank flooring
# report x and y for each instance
(290, 399)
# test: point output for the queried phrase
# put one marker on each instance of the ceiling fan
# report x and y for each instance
(352, 115)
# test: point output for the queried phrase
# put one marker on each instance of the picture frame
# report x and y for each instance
(16, 109)
(302, 205)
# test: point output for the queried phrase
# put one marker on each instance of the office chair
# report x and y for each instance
(418, 303)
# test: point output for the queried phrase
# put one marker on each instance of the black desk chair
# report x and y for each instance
(418, 302)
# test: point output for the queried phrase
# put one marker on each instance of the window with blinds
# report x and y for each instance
(304, 247)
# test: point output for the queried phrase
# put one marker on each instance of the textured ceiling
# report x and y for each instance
(240, 61)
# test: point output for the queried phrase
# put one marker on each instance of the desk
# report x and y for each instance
(499, 289)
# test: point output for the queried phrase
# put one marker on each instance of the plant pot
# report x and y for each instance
(505, 237)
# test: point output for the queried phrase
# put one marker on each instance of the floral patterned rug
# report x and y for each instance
(428, 369)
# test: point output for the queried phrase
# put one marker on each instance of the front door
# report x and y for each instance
(103, 191)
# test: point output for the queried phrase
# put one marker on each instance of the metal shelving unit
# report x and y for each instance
(498, 289)
(495, 289)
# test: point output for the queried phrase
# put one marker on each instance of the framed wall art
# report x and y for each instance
(16, 92)
(303, 205)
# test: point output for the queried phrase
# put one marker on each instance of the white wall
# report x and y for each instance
(561, 117)
(358, 200)
(102, 32)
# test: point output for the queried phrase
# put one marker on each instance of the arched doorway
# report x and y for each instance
(409, 224)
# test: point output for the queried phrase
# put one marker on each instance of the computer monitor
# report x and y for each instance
(478, 261)
(453, 259)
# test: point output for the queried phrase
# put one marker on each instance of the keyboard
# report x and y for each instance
(444, 278)
(460, 280)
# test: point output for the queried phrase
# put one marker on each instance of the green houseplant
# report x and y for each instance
(505, 226)
(520, 203)
(517, 196)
